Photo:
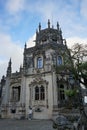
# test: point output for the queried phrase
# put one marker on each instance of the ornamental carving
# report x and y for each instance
(38, 80)
(15, 80)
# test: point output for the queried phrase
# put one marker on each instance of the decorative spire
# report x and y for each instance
(10, 62)
(57, 26)
(20, 68)
(3, 81)
(9, 68)
(60, 31)
(25, 46)
(48, 23)
(36, 32)
(39, 27)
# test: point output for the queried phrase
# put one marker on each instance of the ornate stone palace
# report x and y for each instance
(37, 84)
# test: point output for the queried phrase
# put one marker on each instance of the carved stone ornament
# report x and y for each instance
(38, 80)
(15, 80)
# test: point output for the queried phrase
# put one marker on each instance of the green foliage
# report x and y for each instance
(78, 54)
(62, 68)
(70, 92)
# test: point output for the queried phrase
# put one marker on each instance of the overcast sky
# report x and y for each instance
(19, 20)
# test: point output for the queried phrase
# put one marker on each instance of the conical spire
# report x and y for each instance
(9, 69)
(25, 46)
(48, 23)
(60, 32)
(39, 27)
(57, 26)
(20, 68)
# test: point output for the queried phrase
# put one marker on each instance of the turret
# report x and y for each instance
(57, 26)
(49, 35)
(48, 23)
(24, 61)
(3, 81)
(39, 27)
(25, 46)
(9, 69)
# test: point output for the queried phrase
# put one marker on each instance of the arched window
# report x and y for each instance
(39, 62)
(62, 94)
(39, 93)
(59, 60)
(16, 93)
(36, 93)
(42, 93)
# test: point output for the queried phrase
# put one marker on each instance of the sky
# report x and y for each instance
(19, 20)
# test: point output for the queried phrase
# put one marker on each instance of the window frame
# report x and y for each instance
(37, 93)
(15, 95)
(39, 62)
(59, 60)
(40, 95)
(61, 92)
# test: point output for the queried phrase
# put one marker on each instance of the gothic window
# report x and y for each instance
(16, 93)
(42, 93)
(59, 60)
(39, 93)
(36, 93)
(62, 95)
(39, 62)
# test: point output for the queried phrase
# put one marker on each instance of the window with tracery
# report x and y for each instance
(16, 93)
(40, 93)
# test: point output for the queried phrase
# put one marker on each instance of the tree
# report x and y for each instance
(79, 69)
(79, 57)
(75, 66)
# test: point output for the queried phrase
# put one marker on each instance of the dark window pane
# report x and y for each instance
(42, 93)
(36, 93)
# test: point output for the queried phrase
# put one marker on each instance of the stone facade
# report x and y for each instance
(37, 84)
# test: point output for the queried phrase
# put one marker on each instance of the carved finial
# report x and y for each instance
(25, 46)
(39, 27)
(20, 68)
(48, 23)
(9, 68)
(57, 26)
(60, 31)
(10, 62)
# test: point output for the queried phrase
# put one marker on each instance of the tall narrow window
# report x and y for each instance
(39, 62)
(16, 93)
(19, 91)
(59, 60)
(62, 95)
(42, 93)
(39, 93)
(36, 93)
